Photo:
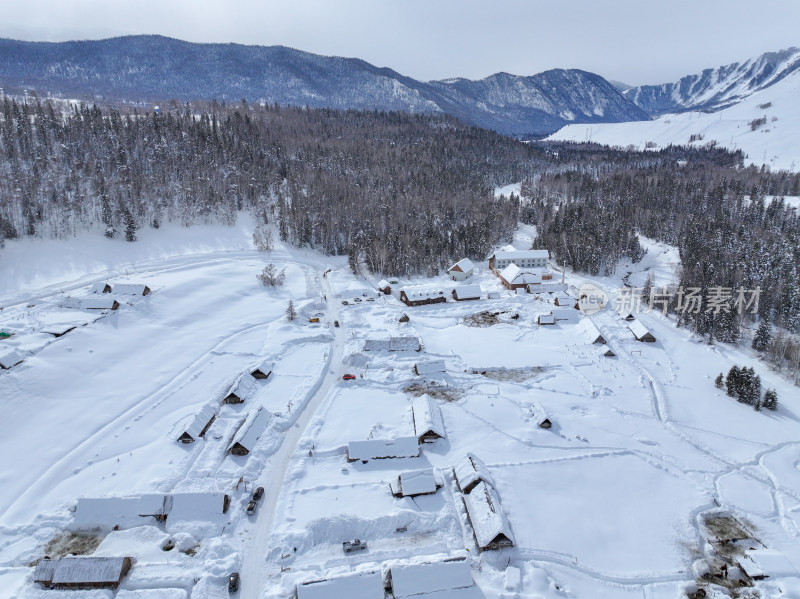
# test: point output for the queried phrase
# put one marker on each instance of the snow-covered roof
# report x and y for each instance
(242, 386)
(604, 350)
(469, 471)
(486, 515)
(358, 585)
(265, 366)
(590, 331)
(427, 416)
(515, 275)
(82, 569)
(200, 420)
(195, 507)
(422, 292)
(383, 284)
(430, 367)
(124, 512)
(392, 344)
(101, 287)
(760, 563)
(9, 359)
(91, 303)
(638, 329)
(413, 580)
(468, 291)
(375, 449)
(252, 428)
(546, 319)
(563, 296)
(570, 315)
(522, 255)
(464, 265)
(416, 482)
(130, 289)
(58, 329)
(546, 287)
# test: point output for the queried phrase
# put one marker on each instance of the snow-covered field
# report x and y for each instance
(608, 502)
(773, 143)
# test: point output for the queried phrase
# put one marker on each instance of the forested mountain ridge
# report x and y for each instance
(151, 68)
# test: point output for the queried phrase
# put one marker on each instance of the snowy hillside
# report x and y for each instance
(645, 480)
(717, 88)
(765, 126)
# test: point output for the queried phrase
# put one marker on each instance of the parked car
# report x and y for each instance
(370, 299)
(233, 582)
(251, 507)
(336, 323)
(345, 303)
(258, 494)
(349, 377)
(354, 545)
(356, 299)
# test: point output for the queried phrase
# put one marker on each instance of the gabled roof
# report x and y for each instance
(83, 569)
(101, 287)
(125, 512)
(200, 420)
(392, 344)
(590, 331)
(760, 563)
(130, 289)
(471, 470)
(606, 351)
(430, 367)
(472, 291)
(464, 265)
(383, 284)
(10, 359)
(570, 315)
(196, 507)
(546, 319)
(515, 275)
(252, 428)
(265, 366)
(375, 449)
(423, 292)
(638, 329)
(358, 585)
(427, 416)
(486, 515)
(414, 580)
(91, 303)
(416, 482)
(521, 255)
(242, 386)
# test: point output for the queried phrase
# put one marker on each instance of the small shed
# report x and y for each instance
(9, 360)
(82, 572)
(605, 351)
(241, 388)
(464, 293)
(546, 319)
(262, 371)
(419, 580)
(356, 585)
(591, 333)
(251, 430)
(540, 417)
(626, 312)
(199, 424)
(384, 287)
(428, 422)
(416, 482)
(640, 332)
(431, 367)
(759, 564)
(404, 318)
(381, 449)
(470, 471)
(131, 289)
(489, 523)
(461, 270)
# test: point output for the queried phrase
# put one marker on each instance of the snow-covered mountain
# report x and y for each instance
(718, 88)
(764, 126)
(156, 68)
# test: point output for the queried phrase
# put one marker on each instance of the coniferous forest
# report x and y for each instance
(406, 194)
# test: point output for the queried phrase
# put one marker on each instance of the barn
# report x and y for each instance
(489, 523)
(470, 471)
(200, 423)
(421, 296)
(82, 572)
(464, 293)
(251, 430)
(241, 388)
(381, 449)
(428, 422)
(434, 579)
(461, 270)
(417, 482)
(640, 332)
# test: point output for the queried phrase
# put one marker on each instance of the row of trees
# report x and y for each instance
(745, 385)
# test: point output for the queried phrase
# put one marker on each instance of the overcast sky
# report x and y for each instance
(634, 41)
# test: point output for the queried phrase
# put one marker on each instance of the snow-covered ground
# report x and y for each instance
(773, 143)
(605, 503)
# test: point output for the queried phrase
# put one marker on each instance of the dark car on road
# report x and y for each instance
(251, 508)
(233, 582)
(258, 494)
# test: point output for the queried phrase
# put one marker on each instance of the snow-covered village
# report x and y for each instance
(277, 324)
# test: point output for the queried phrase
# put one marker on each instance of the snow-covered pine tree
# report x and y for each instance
(763, 336)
